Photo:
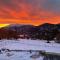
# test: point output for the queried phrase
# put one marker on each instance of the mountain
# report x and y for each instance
(47, 26)
(25, 30)
(20, 28)
(45, 31)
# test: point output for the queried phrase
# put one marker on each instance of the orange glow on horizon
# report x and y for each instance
(3, 25)
(54, 20)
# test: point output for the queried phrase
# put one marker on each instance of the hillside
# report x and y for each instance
(45, 31)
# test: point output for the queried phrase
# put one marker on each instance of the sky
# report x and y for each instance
(33, 12)
(3, 25)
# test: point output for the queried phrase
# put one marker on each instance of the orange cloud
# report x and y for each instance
(27, 12)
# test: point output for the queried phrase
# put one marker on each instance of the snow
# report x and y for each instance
(24, 44)
(19, 56)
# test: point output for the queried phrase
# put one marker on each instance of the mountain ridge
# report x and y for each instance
(45, 31)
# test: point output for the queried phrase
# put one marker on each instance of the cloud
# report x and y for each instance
(52, 5)
(29, 9)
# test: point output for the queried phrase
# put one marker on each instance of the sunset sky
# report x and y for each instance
(33, 12)
(3, 25)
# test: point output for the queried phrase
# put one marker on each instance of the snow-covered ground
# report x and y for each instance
(19, 56)
(24, 44)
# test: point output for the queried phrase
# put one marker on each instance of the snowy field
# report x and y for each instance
(23, 44)
(19, 56)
